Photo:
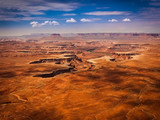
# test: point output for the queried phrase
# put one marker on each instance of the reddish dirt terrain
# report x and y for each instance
(80, 79)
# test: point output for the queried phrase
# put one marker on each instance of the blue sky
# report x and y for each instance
(18, 17)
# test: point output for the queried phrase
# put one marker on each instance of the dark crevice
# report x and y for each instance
(54, 73)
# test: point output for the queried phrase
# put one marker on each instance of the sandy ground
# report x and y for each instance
(127, 90)
(107, 58)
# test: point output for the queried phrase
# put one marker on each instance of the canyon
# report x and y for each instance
(85, 76)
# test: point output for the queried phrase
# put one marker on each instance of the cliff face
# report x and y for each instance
(53, 37)
(114, 35)
(66, 59)
(54, 73)
(60, 60)
(74, 64)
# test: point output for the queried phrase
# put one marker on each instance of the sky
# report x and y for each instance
(22, 17)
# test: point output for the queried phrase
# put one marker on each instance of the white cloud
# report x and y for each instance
(85, 20)
(19, 9)
(113, 20)
(126, 20)
(36, 24)
(62, 6)
(32, 6)
(107, 13)
(69, 14)
(44, 23)
(55, 23)
(72, 20)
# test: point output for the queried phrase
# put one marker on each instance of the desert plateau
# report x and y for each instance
(89, 76)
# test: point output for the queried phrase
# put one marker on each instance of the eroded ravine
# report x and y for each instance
(74, 64)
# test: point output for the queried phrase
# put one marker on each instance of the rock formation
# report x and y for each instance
(74, 64)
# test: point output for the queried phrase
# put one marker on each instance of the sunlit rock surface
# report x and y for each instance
(87, 83)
